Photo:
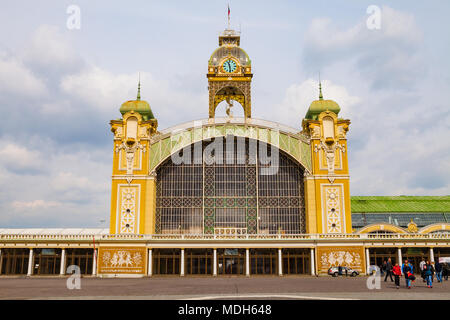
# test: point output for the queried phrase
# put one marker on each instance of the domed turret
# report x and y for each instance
(318, 106)
(138, 105)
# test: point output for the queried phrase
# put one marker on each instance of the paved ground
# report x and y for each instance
(170, 288)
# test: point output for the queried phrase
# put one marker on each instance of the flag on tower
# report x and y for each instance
(228, 16)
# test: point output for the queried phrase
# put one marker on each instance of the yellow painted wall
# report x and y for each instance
(322, 178)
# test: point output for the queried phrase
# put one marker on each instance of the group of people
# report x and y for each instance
(427, 270)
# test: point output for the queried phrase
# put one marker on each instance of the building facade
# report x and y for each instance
(234, 196)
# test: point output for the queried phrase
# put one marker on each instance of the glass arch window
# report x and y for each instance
(233, 196)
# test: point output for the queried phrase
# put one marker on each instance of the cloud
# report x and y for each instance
(298, 98)
(387, 58)
(104, 91)
(35, 204)
(19, 159)
(51, 52)
(18, 80)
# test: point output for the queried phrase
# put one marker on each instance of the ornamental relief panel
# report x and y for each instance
(122, 260)
(330, 157)
(130, 159)
(333, 209)
(352, 257)
(128, 209)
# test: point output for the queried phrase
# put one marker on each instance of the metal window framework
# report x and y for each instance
(234, 195)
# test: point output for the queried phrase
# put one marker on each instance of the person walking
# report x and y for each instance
(383, 267)
(438, 271)
(388, 270)
(397, 271)
(406, 269)
(445, 270)
(428, 272)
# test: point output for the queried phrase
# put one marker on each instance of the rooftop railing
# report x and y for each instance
(216, 237)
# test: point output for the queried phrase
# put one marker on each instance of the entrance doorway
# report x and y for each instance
(198, 261)
(296, 261)
(415, 256)
(47, 261)
(14, 261)
(263, 261)
(82, 258)
(230, 261)
(379, 255)
(166, 261)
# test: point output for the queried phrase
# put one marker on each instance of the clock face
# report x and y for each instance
(229, 66)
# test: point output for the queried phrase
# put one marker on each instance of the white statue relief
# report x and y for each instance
(329, 151)
(130, 152)
(229, 106)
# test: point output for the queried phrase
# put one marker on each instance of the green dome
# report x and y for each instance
(319, 106)
(140, 106)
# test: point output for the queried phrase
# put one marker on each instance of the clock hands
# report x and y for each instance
(229, 66)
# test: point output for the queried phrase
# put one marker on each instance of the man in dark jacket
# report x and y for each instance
(438, 268)
(388, 270)
(445, 271)
(429, 271)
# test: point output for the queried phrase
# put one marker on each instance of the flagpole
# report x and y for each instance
(228, 16)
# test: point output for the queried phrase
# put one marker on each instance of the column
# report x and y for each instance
(182, 263)
(367, 261)
(399, 256)
(30, 263)
(94, 263)
(280, 264)
(62, 269)
(215, 262)
(1, 261)
(247, 262)
(431, 255)
(150, 263)
(313, 264)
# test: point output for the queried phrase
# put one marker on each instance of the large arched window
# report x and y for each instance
(236, 196)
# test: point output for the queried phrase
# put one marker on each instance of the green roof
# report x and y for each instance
(400, 204)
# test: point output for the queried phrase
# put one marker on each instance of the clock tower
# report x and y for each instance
(229, 74)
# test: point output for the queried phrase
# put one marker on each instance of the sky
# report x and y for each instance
(60, 87)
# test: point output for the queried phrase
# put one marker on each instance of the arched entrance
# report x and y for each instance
(230, 185)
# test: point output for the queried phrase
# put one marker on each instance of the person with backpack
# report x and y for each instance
(428, 272)
(407, 272)
(397, 271)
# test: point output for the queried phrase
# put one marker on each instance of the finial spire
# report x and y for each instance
(320, 89)
(139, 88)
